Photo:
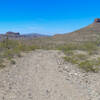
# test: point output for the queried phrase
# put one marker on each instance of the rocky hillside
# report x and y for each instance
(89, 33)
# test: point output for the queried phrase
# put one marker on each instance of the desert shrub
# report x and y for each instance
(23, 47)
(16, 51)
(33, 47)
(11, 48)
(83, 63)
(89, 65)
(68, 47)
(89, 46)
(71, 60)
(81, 56)
(12, 62)
(69, 53)
(75, 58)
(19, 55)
(8, 53)
(8, 44)
(2, 65)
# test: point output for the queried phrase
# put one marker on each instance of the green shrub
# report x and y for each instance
(33, 47)
(89, 46)
(8, 53)
(70, 59)
(19, 55)
(81, 56)
(23, 47)
(7, 44)
(2, 65)
(12, 62)
(89, 65)
(68, 47)
(69, 53)
(75, 58)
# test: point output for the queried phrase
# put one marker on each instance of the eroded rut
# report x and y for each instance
(42, 75)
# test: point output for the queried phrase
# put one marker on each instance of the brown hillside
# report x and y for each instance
(89, 33)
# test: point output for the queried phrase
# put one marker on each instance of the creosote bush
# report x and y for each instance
(12, 62)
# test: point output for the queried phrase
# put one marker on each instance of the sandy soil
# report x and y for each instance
(43, 75)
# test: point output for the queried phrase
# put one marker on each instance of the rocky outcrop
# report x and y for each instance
(18, 36)
(13, 33)
(97, 20)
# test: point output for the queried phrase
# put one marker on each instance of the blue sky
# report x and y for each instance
(47, 16)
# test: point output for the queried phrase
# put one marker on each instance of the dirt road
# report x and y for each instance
(42, 75)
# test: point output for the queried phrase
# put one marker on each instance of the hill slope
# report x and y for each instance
(89, 33)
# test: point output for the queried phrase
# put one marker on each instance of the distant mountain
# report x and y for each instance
(13, 35)
(35, 35)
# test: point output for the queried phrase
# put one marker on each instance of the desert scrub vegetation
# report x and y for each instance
(11, 48)
(13, 62)
(71, 59)
(75, 58)
(90, 65)
(2, 63)
(68, 47)
(90, 47)
(82, 60)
